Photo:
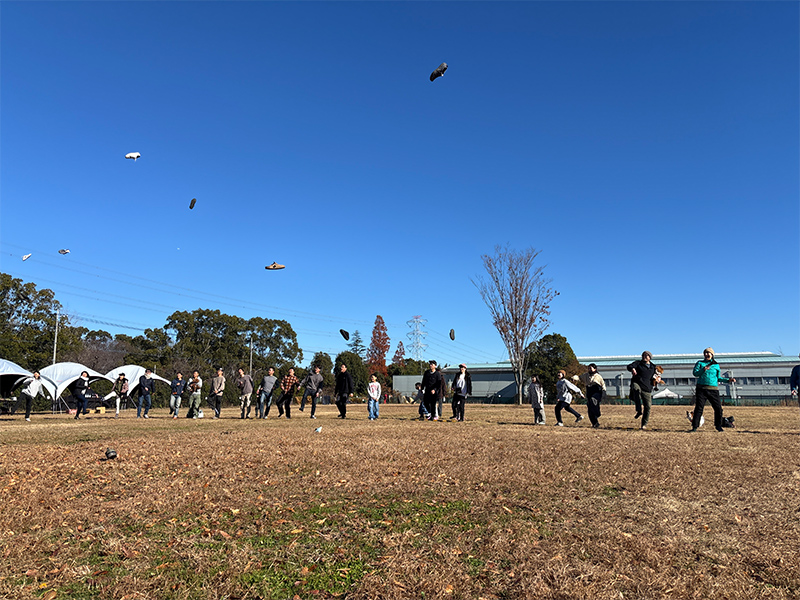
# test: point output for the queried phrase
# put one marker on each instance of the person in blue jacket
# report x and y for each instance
(708, 376)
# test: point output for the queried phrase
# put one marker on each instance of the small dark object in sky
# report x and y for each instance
(274, 267)
(63, 251)
(453, 334)
(345, 335)
(111, 454)
(439, 71)
(191, 204)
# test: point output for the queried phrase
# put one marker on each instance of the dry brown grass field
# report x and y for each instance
(490, 508)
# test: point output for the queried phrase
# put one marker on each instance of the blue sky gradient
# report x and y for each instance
(648, 150)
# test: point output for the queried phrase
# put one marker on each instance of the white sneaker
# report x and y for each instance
(27, 419)
(559, 424)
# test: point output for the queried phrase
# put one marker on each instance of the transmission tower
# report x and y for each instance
(416, 336)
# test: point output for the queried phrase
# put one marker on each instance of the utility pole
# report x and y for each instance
(251, 354)
(55, 339)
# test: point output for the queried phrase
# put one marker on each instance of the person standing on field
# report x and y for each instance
(30, 391)
(120, 390)
(536, 396)
(431, 386)
(80, 389)
(794, 381)
(565, 389)
(343, 390)
(146, 388)
(245, 385)
(288, 385)
(176, 389)
(312, 386)
(374, 394)
(195, 393)
(217, 387)
(595, 387)
(264, 393)
(462, 388)
(708, 376)
(642, 373)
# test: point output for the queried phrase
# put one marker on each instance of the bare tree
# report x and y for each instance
(518, 297)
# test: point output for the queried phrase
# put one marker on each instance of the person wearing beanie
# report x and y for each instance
(708, 376)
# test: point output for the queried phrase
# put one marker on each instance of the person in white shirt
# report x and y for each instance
(30, 391)
(374, 392)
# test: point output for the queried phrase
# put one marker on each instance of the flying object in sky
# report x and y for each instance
(135, 155)
(26, 257)
(274, 267)
(191, 204)
(453, 334)
(439, 71)
(63, 251)
(345, 335)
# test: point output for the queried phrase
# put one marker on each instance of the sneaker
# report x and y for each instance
(116, 416)
(147, 416)
(302, 408)
(596, 426)
(720, 430)
(637, 415)
(175, 417)
(693, 430)
(579, 418)
(559, 424)
(28, 419)
(313, 417)
(643, 427)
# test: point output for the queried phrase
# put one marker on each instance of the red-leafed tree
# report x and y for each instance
(399, 355)
(378, 347)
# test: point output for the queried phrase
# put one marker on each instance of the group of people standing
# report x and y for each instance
(645, 376)
(432, 391)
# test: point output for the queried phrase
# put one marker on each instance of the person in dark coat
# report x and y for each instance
(431, 387)
(462, 387)
(146, 387)
(794, 381)
(344, 389)
(80, 390)
(642, 372)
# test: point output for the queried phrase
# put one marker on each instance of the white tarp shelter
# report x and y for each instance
(132, 374)
(11, 375)
(61, 375)
(665, 393)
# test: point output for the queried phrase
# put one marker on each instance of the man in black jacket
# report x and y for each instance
(431, 385)
(146, 387)
(642, 372)
(343, 390)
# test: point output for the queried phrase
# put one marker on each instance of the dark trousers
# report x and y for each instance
(430, 404)
(80, 406)
(458, 407)
(285, 405)
(564, 406)
(593, 398)
(341, 404)
(216, 403)
(642, 400)
(28, 404)
(701, 394)
(313, 395)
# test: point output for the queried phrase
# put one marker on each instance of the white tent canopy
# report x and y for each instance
(11, 375)
(61, 375)
(132, 374)
(665, 393)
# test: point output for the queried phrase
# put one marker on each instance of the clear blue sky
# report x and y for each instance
(649, 150)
